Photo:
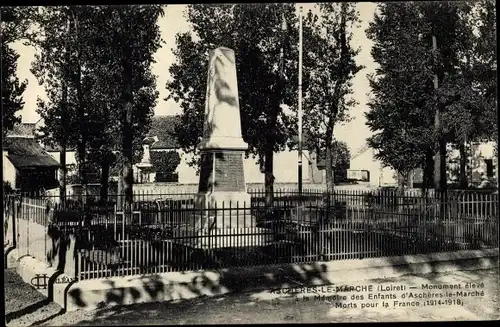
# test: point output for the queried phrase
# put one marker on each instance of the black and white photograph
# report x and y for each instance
(250, 163)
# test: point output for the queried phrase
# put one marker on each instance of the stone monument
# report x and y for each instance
(222, 179)
(222, 147)
(145, 163)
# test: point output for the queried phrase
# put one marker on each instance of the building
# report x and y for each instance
(481, 166)
(26, 165)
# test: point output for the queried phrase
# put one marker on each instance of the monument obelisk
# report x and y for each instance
(222, 178)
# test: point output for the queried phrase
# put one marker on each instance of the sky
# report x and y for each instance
(354, 133)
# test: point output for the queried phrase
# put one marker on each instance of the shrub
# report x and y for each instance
(7, 188)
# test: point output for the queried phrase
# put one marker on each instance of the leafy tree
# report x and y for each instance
(485, 64)
(402, 110)
(465, 110)
(330, 62)
(341, 153)
(60, 74)
(12, 89)
(486, 68)
(111, 91)
(399, 114)
(129, 48)
(165, 161)
(14, 24)
(253, 32)
(462, 93)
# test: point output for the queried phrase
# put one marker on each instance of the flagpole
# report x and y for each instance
(299, 111)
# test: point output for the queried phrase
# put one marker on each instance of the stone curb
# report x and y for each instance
(10, 257)
(175, 286)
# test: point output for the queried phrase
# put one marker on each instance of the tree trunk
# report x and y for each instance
(269, 177)
(64, 127)
(428, 177)
(104, 181)
(330, 181)
(400, 193)
(401, 181)
(127, 132)
(120, 193)
(463, 166)
(62, 180)
(127, 172)
(81, 117)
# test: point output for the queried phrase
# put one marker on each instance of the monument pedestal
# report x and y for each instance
(229, 209)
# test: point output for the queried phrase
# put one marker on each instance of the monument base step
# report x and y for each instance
(224, 237)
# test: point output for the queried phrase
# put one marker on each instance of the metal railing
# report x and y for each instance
(169, 232)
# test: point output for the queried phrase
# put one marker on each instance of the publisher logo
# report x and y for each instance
(40, 281)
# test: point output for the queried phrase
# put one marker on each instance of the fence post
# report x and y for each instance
(321, 234)
(27, 209)
(14, 227)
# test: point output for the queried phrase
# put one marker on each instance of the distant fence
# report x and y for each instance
(168, 232)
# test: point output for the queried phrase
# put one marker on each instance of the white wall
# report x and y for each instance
(9, 171)
(70, 157)
(70, 160)
(285, 168)
(187, 174)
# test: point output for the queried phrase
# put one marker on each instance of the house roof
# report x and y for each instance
(163, 127)
(23, 129)
(25, 152)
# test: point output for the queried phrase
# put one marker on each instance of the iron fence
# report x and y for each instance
(170, 232)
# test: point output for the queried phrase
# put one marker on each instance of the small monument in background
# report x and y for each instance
(222, 180)
(145, 165)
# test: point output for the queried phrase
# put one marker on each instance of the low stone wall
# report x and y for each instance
(290, 187)
(175, 188)
(165, 188)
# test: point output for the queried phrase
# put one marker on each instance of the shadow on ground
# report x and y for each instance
(253, 307)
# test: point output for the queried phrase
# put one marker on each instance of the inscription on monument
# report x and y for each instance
(229, 173)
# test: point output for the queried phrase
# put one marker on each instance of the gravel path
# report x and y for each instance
(263, 307)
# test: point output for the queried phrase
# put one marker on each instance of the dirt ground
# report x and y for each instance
(25, 306)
